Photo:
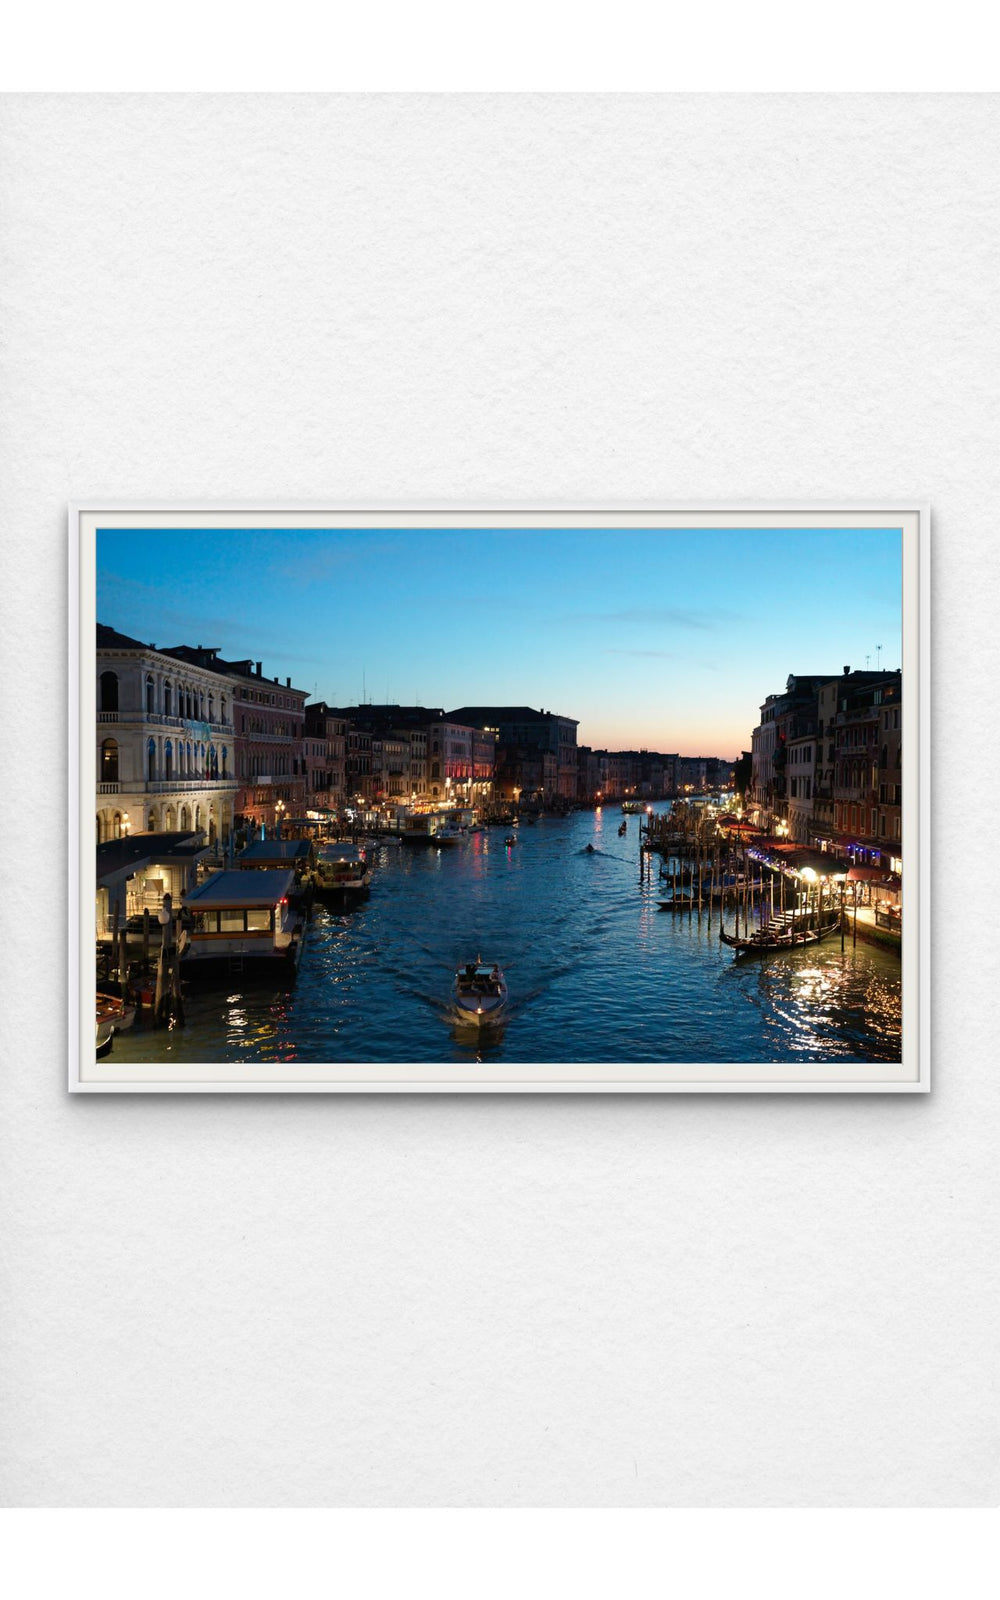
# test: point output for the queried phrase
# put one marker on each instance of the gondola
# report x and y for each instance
(782, 934)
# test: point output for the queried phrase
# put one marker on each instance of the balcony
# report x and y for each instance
(109, 788)
(188, 784)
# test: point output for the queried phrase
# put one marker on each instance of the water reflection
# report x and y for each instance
(595, 972)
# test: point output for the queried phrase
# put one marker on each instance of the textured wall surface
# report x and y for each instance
(543, 1301)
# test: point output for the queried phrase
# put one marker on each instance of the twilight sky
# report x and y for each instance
(664, 639)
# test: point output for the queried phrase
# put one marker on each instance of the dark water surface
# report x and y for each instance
(597, 973)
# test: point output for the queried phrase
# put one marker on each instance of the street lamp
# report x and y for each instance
(279, 812)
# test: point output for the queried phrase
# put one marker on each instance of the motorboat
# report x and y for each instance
(343, 869)
(243, 916)
(448, 834)
(510, 839)
(479, 993)
(623, 829)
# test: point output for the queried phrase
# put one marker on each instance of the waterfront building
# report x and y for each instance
(408, 725)
(887, 825)
(525, 774)
(524, 728)
(325, 747)
(800, 782)
(788, 715)
(863, 771)
(588, 773)
(269, 724)
(461, 762)
(358, 785)
(165, 741)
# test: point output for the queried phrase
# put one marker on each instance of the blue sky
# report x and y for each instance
(668, 639)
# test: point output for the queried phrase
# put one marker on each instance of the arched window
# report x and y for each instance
(109, 691)
(213, 762)
(211, 708)
(109, 761)
(151, 760)
(116, 825)
(222, 708)
(184, 820)
(166, 697)
(150, 694)
(168, 760)
(225, 760)
(153, 824)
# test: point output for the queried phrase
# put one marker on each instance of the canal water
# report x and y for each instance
(597, 973)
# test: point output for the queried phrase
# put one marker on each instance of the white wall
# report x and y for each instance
(538, 1301)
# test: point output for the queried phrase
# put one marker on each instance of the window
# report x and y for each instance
(109, 691)
(168, 760)
(150, 694)
(151, 760)
(166, 697)
(109, 761)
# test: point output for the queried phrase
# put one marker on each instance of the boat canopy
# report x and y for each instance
(234, 891)
(340, 850)
(263, 851)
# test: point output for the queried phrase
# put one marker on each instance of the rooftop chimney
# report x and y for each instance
(257, 664)
(288, 683)
(847, 672)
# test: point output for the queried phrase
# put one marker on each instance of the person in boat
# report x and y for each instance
(495, 975)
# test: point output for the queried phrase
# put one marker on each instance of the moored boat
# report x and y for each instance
(343, 869)
(786, 932)
(447, 834)
(105, 1027)
(115, 1009)
(243, 916)
(479, 993)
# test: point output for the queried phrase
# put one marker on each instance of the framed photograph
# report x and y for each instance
(602, 799)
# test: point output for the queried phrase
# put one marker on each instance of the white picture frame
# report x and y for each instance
(911, 1075)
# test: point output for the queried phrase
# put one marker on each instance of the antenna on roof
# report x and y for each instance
(878, 658)
(868, 661)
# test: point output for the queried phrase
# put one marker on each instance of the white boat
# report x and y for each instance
(342, 868)
(448, 834)
(479, 993)
(243, 916)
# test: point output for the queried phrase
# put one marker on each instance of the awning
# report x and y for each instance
(867, 875)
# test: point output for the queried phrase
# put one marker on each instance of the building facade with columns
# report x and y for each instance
(165, 743)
